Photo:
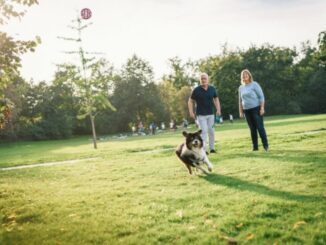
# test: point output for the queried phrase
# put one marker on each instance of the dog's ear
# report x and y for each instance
(199, 131)
(185, 134)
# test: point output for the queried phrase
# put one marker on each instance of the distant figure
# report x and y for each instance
(133, 128)
(162, 125)
(231, 118)
(205, 97)
(185, 123)
(173, 124)
(221, 120)
(140, 127)
(252, 105)
(152, 128)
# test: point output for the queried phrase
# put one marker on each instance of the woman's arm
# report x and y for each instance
(262, 108)
(261, 97)
(240, 105)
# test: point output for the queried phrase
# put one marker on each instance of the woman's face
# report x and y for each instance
(246, 77)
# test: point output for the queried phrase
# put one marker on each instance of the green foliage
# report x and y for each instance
(9, 9)
(6, 107)
(322, 49)
(11, 49)
(135, 96)
(93, 90)
(181, 102)
(181, 74)
(293, 81)
(315, 100)
(42, 119)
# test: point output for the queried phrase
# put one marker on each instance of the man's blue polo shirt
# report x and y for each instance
(204, 100)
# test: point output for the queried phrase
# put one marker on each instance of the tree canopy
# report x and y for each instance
(293, 80)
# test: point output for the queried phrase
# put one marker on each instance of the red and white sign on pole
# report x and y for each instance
(86, 13)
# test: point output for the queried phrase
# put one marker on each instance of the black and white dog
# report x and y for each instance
(192, 153)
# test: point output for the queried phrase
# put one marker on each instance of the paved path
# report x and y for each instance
(46, 164)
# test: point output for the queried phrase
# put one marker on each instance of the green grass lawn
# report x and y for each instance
(136, 191)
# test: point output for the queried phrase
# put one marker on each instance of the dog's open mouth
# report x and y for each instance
(195, 144)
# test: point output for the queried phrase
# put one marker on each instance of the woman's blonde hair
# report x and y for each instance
(248, 72)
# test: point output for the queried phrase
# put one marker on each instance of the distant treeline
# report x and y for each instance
(293, 80)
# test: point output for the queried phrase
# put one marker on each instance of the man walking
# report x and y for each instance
(205, 98)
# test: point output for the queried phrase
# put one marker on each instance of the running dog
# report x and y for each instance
(192, 152)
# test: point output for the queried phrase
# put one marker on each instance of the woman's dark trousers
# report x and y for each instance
(256, 123)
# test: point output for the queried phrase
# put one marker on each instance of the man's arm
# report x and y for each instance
(217, 105)
(191, 108)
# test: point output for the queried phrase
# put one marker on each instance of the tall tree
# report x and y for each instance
(168, 96)
(10, 52)
(311, 70)
(92, 87)
(136, 95)
(322, 49)
(182, 74)
(181, 102)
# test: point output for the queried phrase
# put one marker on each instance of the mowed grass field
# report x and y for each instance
(136, 191)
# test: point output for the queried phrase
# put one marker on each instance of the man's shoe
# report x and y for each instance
(213, 151)
(266, 148)
(255, 149)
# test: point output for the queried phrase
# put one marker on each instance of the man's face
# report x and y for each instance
(204, 80)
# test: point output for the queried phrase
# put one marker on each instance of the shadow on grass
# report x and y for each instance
(286, 123)
(317, 158)
(295, 156)
(244, 185)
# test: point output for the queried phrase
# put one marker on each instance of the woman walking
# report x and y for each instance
(252, 105)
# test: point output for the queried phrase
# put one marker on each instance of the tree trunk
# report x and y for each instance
(93, 130)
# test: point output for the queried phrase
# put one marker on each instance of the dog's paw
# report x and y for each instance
(210, 169)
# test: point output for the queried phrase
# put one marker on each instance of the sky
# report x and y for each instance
(157, 30)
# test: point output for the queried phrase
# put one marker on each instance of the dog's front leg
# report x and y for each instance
(208, 163)
(199, 167)
(189, 169)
